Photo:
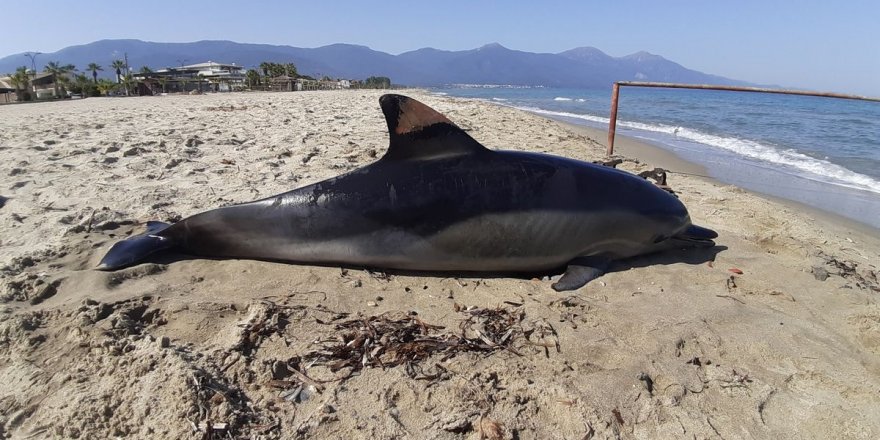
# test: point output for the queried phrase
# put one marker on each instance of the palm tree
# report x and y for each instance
(20, 80)
(105, 86)
(146, 70)
(127, 83)
(118, 65)
(94, 68)
(253, 78)
(81, 83)
(290, 70)
(58, 72)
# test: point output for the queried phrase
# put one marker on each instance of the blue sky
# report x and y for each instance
(823, 45)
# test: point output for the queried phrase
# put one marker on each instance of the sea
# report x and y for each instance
(822, 152)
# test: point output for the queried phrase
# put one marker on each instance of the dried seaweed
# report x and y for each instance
(864, 279)
(395, 339)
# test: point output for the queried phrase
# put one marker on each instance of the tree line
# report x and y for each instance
(66, 78)
(261, 77)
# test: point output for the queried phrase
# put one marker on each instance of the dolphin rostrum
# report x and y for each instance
(440, 201)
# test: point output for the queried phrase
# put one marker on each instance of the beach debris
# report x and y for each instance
(698, 362)
(866, 279)
(223, 108)
(613, 163)
(735, 270)
(394, 339)
(820, 273)
(658, 174)
(732, 298)
(649, 383)
(265, 319)
(490, 429)
(380, 276)
(298, 394)
(457, 422)
(210, 430)
(738, 380)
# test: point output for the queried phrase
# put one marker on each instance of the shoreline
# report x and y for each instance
(855, 206)
(676, 165)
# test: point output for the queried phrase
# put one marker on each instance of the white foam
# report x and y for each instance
(561, 98)
(784, 159)
(565, 114)
(494, 86)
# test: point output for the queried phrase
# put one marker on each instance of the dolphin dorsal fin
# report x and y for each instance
(420, 132)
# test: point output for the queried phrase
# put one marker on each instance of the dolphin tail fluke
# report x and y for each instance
(136, 248)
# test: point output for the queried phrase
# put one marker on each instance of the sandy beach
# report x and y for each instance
(773, 334)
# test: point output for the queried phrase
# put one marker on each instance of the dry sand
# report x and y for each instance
(666, 346)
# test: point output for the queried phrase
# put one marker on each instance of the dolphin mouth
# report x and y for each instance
(695, 236)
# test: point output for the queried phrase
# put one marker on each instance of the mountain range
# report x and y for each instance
(583, 67)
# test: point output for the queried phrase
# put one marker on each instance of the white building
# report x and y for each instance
(213, 76)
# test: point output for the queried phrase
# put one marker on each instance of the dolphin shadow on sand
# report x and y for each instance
(440, 202)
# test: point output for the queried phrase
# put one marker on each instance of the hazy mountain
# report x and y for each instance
(490, 64)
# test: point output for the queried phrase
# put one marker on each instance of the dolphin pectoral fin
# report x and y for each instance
(136, 248)
(580, 272)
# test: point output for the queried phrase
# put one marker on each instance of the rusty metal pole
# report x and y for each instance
(612, 119)
(746, 89)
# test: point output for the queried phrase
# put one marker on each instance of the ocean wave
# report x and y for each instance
(493, 86)
(565, 114)
(561, 98)
(499, 99)
(789, 159)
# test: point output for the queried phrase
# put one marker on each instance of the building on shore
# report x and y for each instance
(286, 83)
(7, 90)
(202, 77)
(39, 86)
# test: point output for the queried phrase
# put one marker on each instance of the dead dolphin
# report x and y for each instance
(440, 201)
